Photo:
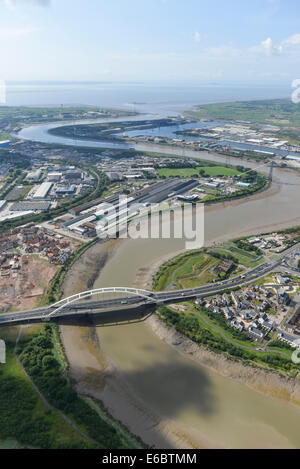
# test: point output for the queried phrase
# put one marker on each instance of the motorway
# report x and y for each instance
(154, 298)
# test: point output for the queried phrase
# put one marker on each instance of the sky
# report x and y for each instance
(150, 40)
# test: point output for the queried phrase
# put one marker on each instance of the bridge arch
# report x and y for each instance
(60, 305)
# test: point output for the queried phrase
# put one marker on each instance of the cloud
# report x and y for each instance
(269, 48)
(292, 41)
(197, 37)
(16, 33)
(285, 47)
(12, 4)
(228, 51)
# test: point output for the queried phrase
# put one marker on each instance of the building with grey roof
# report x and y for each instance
(30, 206)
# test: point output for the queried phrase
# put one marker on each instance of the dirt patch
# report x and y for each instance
(23, 289)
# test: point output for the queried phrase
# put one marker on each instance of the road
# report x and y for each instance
(158, 298)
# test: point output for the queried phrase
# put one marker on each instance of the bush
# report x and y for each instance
(38, 358)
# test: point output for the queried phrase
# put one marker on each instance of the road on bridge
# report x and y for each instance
(69, 307)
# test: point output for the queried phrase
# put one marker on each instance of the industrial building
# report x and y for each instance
(34, 175)
(54, 177)
(43, 191)
(73, 175)
(109, 213)
(65, 191)
(293, 158)
(4, 143)
(30, 206)
(80, 209)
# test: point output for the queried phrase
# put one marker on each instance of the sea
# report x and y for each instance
(157, 98)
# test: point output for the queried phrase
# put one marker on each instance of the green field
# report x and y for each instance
(279, 112)
(248, 259)
(211, 171)
(187, 271)
(196, 271)
(20, 115)
(197, 267)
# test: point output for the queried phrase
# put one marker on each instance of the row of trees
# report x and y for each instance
(38, 358)
(248, 247)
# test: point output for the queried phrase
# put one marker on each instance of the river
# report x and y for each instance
(209, 410)
(167, 398)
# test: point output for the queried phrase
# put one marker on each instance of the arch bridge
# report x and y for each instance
(66, 303)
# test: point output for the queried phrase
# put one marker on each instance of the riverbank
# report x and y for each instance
(134, 372)
(97, 373)
(83, 274)
(268, 383)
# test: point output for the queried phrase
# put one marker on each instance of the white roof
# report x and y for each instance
(16, 215)
(293, 157)
(43, 190)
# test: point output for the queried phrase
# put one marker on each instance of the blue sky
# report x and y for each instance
(189, 40)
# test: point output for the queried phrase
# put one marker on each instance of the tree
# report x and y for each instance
(49, 362)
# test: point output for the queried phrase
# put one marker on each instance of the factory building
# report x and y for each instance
(43, 191)
(243, 185)
(54, 177)
(73, 175)
(34, 175)
(65, 191)
(4, 143)
(30, 206)
(293, 158)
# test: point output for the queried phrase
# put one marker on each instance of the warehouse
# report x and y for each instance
(74, 175)
(89, 205)
(43, 191)
(31, 206)
(65, 191)
(4, 143)
(54, 177)
(293, 158)
(34, 175)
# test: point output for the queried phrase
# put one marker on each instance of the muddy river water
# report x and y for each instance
(163, 396)
(194, 405)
